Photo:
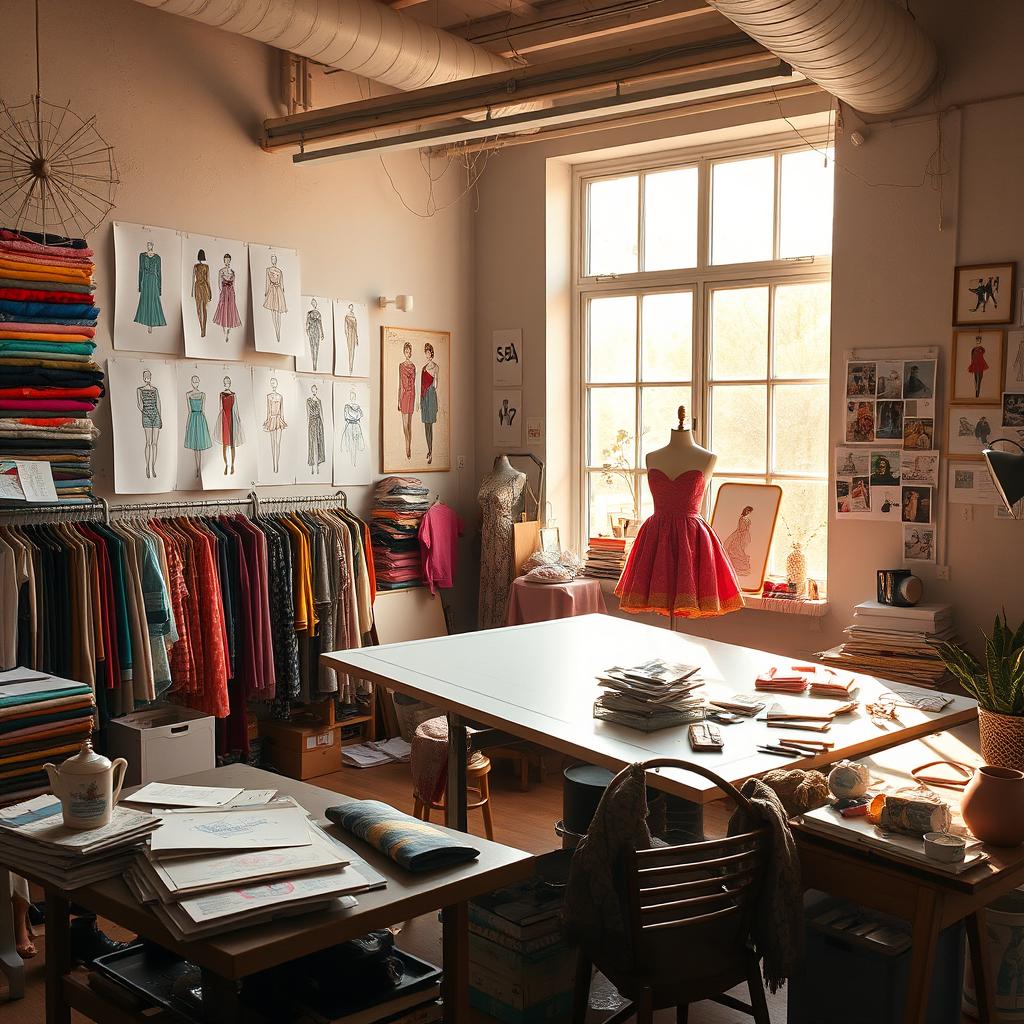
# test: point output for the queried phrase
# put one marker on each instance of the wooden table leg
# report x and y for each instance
(221, 999)
(455, 951)
(924, 938)
(984, 983)
(10, 961)
(58, 955)
(455, 798)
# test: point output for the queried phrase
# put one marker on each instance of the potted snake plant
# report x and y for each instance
(998, 687)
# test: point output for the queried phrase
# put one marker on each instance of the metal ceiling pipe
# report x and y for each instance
(361, 36)
(870, 54)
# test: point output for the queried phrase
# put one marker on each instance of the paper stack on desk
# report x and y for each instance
(33, 834)
(654, 695)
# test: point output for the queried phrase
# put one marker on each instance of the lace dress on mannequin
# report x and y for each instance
(501, 500)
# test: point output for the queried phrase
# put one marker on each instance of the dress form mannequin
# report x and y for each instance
(501, 500)
(682, 453)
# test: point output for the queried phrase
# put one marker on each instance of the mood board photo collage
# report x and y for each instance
(210, 421)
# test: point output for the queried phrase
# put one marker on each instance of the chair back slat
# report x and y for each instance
(710, 847)
(696, 884)
(711, 864)
(693, 922)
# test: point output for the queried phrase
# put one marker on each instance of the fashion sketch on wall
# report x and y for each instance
(147, 301)
(415, 389)
(215, 296)
(507, 418)
(280, 424)
(314, 460)
(352, 338)
(353, 464)
(276, 300)
(216, 448)
(144, 416)
(317, 335)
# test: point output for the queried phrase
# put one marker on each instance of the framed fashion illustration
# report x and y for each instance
(415, 412)
(970, 428)
(976, 365)
(983, 293)
(744, 518)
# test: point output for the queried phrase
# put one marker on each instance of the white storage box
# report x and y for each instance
(162, 743)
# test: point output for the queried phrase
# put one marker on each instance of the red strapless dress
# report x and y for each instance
(677, 565)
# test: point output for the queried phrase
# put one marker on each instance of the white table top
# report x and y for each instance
(538, 682)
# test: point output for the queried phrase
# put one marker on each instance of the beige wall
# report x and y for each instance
(182, 104)
(892, 271)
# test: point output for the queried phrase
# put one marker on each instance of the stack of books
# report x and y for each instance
(209, 870)
(896, 643)
(33, 833)
(606, 557)
(654, 695)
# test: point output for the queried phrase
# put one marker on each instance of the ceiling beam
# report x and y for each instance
(519, 7)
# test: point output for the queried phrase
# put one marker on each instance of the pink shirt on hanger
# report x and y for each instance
(440, 530)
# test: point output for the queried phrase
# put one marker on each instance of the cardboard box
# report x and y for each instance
(299, 750)
(162, 743)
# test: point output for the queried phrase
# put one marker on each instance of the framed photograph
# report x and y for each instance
(983, 293)
(976, 366)
(744, 518)
(970, 428)
(415, 409)
(918, 543)
(860, 422)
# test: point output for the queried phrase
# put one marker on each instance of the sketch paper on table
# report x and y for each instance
(507, 355)
(313, 444)
(214, 296)
(971, 427)
(978, 364)
(353, 463)
(276, 287)
(971, 485)
(352, 340)
(279, 425)
(918, 543)
(920, 468)
(317, 354)
(507, 418)
(217, 450)
(147, 295)
(144, 406)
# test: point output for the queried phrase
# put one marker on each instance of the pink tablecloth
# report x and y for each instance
(538, 602)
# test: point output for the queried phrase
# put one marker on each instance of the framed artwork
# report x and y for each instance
(415, 408)
(970, 428)
(506, 414)
(983, 293)
(1013, 378)
(976, 366)
(744, 518)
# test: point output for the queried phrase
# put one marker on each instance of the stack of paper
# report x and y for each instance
(654, 695)
(33, 833)
(369, 755)
(606, 556)
(777, 680)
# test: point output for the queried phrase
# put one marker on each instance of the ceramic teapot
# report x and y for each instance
(86, 787)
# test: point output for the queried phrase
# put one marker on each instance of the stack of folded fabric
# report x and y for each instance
(49, 381)
(399, 503)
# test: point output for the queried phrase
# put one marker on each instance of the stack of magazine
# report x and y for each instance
(210, 870)
(657, 694)
(33, 833)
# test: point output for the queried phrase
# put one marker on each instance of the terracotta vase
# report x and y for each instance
(1002, 739)
(993, 805)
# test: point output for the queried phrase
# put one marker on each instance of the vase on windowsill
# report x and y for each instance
(796, 569)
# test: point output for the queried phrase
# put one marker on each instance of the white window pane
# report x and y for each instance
(614, 207)
(659, 415)
(612, 427)
(739, 333)
(667, 336)
(800, 414)
(805, 204)
(609, 499)
(670, 219)
(612, 342)
(742, 210)
(646, 498)
(805, 508)
(739, 427)
(802, 315)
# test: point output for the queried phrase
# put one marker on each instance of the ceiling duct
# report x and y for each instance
(870, 54)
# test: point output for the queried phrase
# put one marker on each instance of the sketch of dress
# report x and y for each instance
(201, 290)
(738, 542)
(1018, 361)
(148, 399)
(428, 402)
(407, 395)
(316, 455)
(314, 331)
(275, 424)
(273, 296)
(197, 431)
(351, 336)
(352, 440)
(229, 426)
(226, 313)
(150, 312)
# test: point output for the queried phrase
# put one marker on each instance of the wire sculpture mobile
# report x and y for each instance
(57, 173)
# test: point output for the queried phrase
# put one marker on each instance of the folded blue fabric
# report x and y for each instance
(55, 312)
(412, 843)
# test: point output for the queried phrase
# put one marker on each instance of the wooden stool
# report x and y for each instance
(476, 782)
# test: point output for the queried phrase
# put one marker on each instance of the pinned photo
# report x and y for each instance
(860, 494)
(885, 469)
(860, 422)
(889, 379)
(843, 497)
(885, 502)
(919, 433)
(860, 380)
(852, 462)
(889, 424)
(919, 378)
(917, 504)
(920, 468)
(919, 543)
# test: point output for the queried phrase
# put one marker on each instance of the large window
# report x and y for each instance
(706, 283)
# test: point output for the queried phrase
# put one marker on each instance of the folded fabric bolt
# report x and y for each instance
(33, 309)
(28, 392)
(47, 241)
(409, 842)
(58, 298)
(35, 326)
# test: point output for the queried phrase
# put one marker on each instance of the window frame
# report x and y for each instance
(701, 280)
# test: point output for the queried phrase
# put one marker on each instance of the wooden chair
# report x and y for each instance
(690, 909)
(477, 772)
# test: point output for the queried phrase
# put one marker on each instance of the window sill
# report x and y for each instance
(757, 603)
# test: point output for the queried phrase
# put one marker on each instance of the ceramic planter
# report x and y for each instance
(993, 805)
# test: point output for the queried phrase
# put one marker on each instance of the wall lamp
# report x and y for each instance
(1007, 471)
(402, 302)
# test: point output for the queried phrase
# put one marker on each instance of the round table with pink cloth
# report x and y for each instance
(539, 602)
